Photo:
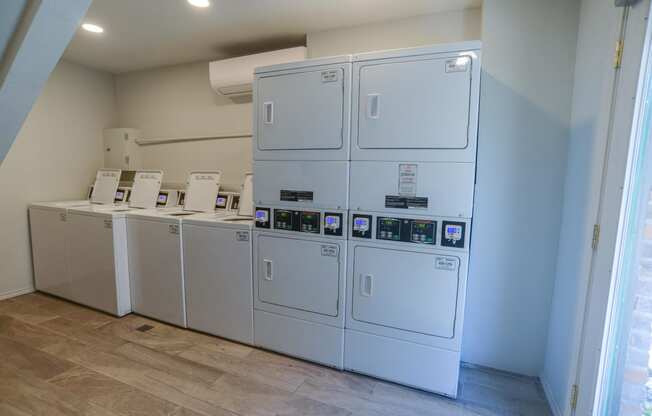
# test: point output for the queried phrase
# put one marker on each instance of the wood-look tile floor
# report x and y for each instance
(58, 358)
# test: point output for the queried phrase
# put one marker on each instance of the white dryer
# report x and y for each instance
(156, 252)
(299, 282)
(217, 259)
(49, 234)
(97, 248)
(406, 285)
(412, 179)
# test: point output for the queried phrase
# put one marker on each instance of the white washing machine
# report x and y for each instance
(49, 234)
(412, 180)
(156, 252)
(97, 247)
(217, 259)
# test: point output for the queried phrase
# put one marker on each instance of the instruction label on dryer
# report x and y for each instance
(445, 263)
(329, 251)
(242, 236)
(407, 179)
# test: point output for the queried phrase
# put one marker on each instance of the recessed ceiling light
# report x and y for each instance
(200, 3)
(92, 28)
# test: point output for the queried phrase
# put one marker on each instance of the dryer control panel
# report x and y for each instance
(406, 230)
(409, 230)
(309, 221)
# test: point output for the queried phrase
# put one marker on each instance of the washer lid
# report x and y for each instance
(147, 184)
(201, 191)
(106, 185)
(246, 207)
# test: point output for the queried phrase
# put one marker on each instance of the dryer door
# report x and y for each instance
(299, 274)
(420, 104)
(406, 290)
(301, 110)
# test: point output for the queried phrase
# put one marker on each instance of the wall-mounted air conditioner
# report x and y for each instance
(234, 77)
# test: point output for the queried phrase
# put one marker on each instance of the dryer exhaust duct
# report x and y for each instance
(234, 77)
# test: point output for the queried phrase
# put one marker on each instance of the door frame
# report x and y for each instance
(595, 308)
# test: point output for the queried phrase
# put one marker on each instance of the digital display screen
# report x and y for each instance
(283, 215)
(361, 221)
(262, 215)
(220, 202)
(452, 230)
(421, 227)
(162, 198)
(332, 220)
(120, 195)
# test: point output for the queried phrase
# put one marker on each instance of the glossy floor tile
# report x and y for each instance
(59, 358)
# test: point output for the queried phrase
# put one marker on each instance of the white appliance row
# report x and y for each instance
(120, 259)
(364, 172)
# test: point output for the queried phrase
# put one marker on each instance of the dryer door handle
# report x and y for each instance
(268, 112)
(269, 270)
(366, 285)
(373, 106)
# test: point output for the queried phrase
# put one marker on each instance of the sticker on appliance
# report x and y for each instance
(446, 263)
(329, 251)
(460, 64)
(407, 179)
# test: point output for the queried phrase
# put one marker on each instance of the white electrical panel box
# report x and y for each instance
(121, 150)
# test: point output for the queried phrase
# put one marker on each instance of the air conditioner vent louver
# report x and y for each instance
(234, 77)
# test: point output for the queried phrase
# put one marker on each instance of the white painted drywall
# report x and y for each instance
(528, 59)
(54, 157)
(598, 32)
(446, 27)
(178, 102)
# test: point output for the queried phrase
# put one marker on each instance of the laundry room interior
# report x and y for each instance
(347, 207)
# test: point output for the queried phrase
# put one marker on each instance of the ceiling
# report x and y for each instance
(141, 34)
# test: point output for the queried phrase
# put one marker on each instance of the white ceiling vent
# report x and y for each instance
(234, 77)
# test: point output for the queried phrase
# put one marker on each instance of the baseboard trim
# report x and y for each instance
(554, 406)
(14, 293)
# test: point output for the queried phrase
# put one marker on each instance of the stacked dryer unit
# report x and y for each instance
(413, 160)
(301, 170)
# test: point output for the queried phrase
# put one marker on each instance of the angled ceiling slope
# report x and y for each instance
(33, 36)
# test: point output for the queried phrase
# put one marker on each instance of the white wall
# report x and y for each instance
(178, 102)
(598, 31)
(528, 59)
(54, 157)
(414, 31)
